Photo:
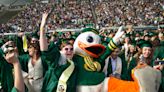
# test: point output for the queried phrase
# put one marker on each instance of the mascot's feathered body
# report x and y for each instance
(90, 57)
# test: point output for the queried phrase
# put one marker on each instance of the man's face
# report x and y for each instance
(115, 53)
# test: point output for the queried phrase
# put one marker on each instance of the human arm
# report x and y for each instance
(43, 40)
(18, 79)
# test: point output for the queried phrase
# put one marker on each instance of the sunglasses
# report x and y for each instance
(71, 49)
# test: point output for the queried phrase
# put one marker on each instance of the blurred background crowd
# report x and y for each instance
(82, 13)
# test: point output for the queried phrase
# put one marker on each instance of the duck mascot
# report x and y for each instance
(90, 57)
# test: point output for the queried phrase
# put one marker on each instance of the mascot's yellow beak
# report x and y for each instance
(94, 50)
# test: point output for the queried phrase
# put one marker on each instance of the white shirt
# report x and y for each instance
(114, 64)
(34, 78)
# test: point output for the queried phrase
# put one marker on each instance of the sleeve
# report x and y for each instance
(6, 78)
(52, 55)
(1, 53)
(109, 48)
(124, 70)
(23, 60)
(19, 44)
(14, 90)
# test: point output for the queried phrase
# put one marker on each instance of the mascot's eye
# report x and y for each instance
(90, 39)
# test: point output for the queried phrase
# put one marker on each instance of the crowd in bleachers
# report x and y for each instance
(78, 14)
(136, 12)
(69, 15)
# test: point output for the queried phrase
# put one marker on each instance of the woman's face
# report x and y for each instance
(31, 50)
(68, 51)
(132, 48)
(146, 51)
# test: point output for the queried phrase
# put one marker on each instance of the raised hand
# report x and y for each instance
(4, 46)
(43, 40)
(43, 22)
(11, 57)
(158, 67)
(20, 34)
(118, 35)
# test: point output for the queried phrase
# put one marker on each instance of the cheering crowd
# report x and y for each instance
(35, 62)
